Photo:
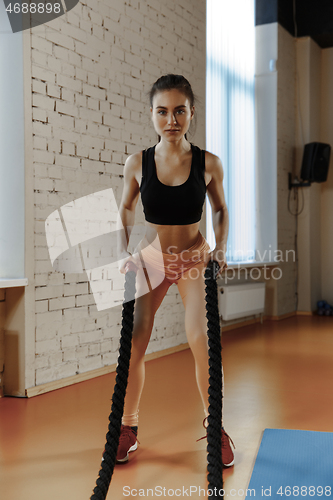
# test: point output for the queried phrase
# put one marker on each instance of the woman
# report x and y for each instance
(173, 178)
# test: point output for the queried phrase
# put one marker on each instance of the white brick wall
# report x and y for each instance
(91, 71)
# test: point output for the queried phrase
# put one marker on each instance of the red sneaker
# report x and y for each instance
(228, 458)
(127, 442)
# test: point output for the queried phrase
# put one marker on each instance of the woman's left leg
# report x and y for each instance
(191, 287)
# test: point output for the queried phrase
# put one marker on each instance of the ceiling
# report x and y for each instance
(313, 18)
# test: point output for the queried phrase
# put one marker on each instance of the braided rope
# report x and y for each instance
(214, 432)
(214, 429)
(117, 407)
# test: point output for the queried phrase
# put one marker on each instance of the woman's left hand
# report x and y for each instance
(219, 255)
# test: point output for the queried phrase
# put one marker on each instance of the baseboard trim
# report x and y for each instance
(240, 324)
(290, 315)
(279, 318)
(82, 377)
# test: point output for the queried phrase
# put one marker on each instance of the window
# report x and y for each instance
(11, 151)
(230, 118)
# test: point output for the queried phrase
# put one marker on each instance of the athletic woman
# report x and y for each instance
(173, 178)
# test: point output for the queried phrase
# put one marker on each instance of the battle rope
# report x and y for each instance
(117, 407)
(214, 429)
(214, 432)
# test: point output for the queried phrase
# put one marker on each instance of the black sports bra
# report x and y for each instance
(173, 205)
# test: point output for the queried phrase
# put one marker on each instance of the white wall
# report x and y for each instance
(266, 81)
(326, 134)
(312, 114)
(286, 303)
(91, 70)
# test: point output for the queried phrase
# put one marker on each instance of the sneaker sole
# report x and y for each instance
(132, 448)
(226, 465)
(229, 465)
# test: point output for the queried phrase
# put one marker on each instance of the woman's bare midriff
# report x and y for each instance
(173, 239)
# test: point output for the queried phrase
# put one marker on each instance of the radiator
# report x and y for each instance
(237, 301)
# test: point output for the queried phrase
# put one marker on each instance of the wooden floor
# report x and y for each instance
(277, 375)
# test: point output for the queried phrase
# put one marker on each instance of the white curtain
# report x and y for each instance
(230, 121)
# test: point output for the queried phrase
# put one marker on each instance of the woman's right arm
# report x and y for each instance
(126, 212)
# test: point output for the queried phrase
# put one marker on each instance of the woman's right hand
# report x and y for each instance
(126, 257)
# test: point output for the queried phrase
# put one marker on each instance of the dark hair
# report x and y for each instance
(170, 82)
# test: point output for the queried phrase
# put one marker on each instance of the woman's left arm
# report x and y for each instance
(220, 216)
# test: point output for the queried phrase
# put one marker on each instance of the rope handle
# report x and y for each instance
(215, 266)
(214, 458)
(122, 370)
(215, 391)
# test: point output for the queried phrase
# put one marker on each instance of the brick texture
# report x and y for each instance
(91, 71)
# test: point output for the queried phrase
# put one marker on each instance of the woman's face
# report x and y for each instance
(171, 114)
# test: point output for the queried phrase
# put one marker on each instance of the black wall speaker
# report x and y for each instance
(316, 159)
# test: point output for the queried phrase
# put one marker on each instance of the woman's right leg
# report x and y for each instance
(144, 313)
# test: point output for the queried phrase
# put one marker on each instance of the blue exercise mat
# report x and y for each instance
(293, 464)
